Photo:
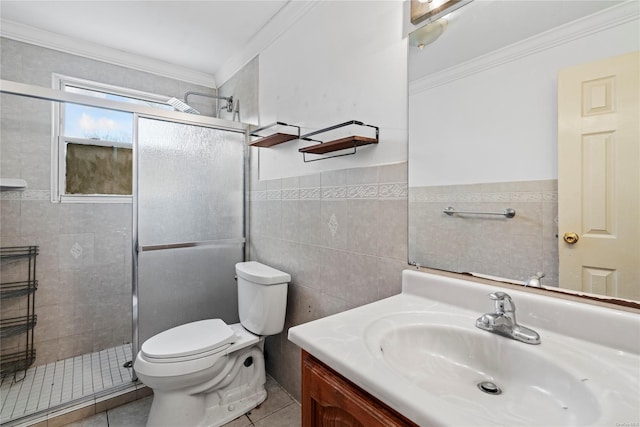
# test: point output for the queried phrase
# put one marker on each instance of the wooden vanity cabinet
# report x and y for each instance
(330, 400)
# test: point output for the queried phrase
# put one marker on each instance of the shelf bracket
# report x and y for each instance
(304, 156)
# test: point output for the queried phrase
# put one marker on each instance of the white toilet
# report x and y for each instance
(207, 373)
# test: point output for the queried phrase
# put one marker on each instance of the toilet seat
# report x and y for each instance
(189, 341)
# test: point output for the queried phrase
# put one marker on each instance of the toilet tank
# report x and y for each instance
(262, 297)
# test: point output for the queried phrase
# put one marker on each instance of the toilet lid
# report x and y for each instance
(189, 339)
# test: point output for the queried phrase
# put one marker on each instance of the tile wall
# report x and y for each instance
(342, 235)
(513, 248)
(83, 302)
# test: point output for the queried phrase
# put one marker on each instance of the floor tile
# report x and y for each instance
(289, 416)
(242, 421)
(132, 414)
(277, 399)
(279, 410)
(99, 420)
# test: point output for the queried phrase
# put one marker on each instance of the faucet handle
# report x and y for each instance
(500, 298)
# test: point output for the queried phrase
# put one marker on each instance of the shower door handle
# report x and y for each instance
(209, 243)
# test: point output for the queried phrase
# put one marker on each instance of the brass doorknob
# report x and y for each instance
(570, 238)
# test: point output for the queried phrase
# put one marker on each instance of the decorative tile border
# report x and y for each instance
(394, 190)
(368, 191)
(274, 194)
(310, 193)
(290, 194)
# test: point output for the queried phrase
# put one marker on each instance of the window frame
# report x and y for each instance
(59, 140)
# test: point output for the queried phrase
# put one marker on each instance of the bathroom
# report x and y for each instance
(328, 223)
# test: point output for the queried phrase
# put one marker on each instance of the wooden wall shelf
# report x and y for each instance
(275, 138)
(339, 144)
(349, 142)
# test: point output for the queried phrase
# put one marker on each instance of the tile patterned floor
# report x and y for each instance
(279, 410)
(57, 383)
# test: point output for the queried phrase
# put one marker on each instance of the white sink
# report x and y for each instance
(447, 355)
(421, 353)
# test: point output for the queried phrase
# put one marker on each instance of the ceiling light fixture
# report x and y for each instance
(428, 34)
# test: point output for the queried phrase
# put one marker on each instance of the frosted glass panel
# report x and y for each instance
(190, 189)
(183, 285)
(190, 183)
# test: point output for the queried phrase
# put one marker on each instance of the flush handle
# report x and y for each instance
(570, 238)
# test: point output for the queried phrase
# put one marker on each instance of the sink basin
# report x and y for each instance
(449, 356)
(421, 354)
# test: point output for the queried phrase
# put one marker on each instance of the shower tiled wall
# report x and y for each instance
(83, 302)
(342, 235)
(513, 248)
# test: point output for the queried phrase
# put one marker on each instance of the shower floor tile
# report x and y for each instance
(57, 383)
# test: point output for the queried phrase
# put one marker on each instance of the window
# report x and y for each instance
(93, 146)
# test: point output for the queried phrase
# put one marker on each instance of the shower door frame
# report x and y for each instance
(141, 111)
(211, 123)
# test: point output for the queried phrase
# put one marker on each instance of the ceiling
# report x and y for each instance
(201, 36)
(484, 26)
(207, 41)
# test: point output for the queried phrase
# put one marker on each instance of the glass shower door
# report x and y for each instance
(190, 224)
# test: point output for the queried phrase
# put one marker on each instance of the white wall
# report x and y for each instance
(341, 61)
(500, 124)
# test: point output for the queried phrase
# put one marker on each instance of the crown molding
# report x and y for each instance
(589, 25)
(289, 14)
(27, 34)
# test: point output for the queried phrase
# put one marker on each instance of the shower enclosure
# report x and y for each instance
(189, 224)
(175, 245)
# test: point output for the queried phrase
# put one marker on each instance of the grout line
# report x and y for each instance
(76, 387)
(25, 387)
(47, 386)
(36, 389)
(66, 366)
(62, 382)
(104, 368)
(121, 359)
(12, 397)
(96, 372)
(56, 390)
(116, 378)
(4, 392)
(87, 375)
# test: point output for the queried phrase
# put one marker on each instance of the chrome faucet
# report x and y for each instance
(503, 321)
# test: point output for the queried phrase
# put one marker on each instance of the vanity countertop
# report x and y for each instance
(589, 357)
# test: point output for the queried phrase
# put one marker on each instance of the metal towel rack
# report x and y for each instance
(508, 213)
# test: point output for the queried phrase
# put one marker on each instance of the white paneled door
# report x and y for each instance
(599, 177)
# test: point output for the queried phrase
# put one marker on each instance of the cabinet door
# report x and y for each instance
(329, 400)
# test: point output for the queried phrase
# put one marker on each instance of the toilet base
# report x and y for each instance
(214, 404)
(220, 415)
